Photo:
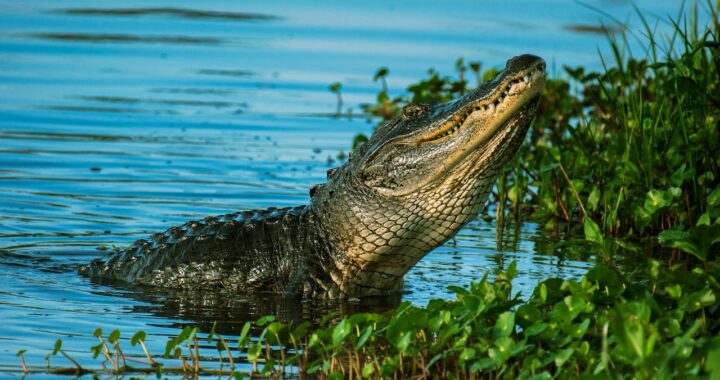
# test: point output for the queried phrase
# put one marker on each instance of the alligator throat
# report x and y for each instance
(419, 179)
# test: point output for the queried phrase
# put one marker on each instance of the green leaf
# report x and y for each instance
(403, 343)
(712, 364)
(593, 199)
(466, 354)
(563, 356)
(137, 338)
(96, 350)
(592, 232)
(58, 345)
(482, 364)
(610, 283)
(254, 351)
(505, 325)
(264, 320)
(536, 329)
(211, 334)
(114, 336)
(389, 366)
(704, 219)
(696, 242)
(578, 330)
(527, 315)
(243, 339)
(335, 87)
(368, 369)
(511, 271)
(657, 199)
(170, 345)
(669, 326)
(364, 337)
(713, 199)
(381, 73)
(697, 300)
(341, 331)
(98, 332)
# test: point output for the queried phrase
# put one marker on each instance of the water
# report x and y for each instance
(117, 122)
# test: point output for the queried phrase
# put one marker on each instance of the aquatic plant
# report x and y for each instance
(661, 322)
(336, 88)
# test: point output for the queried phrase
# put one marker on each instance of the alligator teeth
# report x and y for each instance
(526, 78)
(491, 107)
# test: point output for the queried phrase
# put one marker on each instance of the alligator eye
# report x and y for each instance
(414, 111)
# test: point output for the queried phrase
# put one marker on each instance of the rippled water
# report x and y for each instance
(118, 120)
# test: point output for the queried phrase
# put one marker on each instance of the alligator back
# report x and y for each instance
(249, 251)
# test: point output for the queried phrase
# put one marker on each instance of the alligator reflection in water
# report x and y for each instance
(229, 311)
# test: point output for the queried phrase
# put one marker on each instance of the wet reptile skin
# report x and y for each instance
(409, 189)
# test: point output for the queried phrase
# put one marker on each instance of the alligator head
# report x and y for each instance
(420, 178)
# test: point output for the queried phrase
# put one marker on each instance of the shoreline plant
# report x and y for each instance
(658, 323)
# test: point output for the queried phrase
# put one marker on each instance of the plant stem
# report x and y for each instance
(79, 368)
(572, 188)
(147, 354)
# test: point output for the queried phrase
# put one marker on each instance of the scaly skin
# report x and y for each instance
(409, 189)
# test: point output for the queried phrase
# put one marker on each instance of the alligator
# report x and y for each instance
(406, 191)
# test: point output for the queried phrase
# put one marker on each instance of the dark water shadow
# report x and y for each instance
(168, 12)
(108, 110)
(592, 29)
(191, 91)
(171, 102)
(230, 311)
(127, 38)
(226, 73)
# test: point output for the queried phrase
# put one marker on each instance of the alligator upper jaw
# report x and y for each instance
(483, 112)
(471, 129)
